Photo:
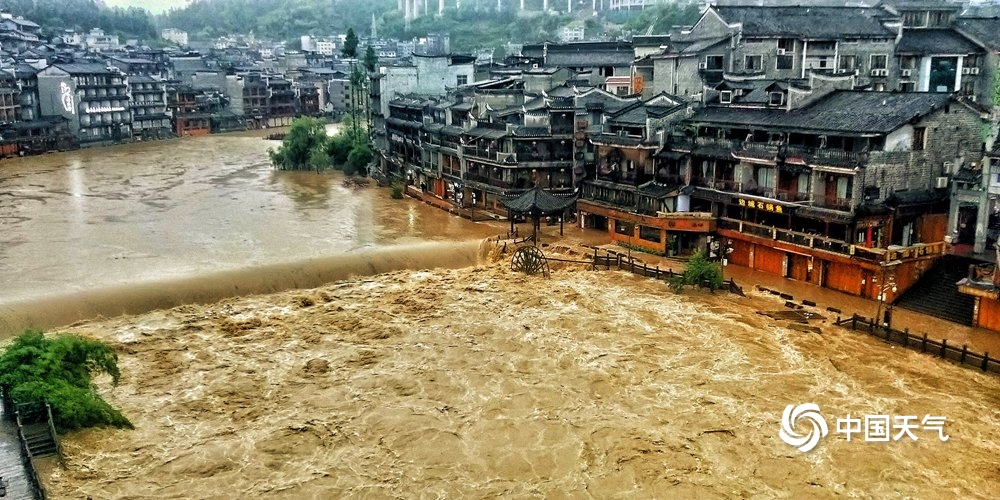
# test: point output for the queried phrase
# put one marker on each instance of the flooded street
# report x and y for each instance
(145, 212)
(402, 362)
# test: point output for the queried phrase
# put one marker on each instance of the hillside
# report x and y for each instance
(83, 15)
(475, 25)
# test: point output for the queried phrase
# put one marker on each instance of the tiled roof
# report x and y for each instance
(537, 200)
(128, 60)
(531, 131)
(589, 54)
(807, 21)
(935, 41)
(853, 112)
(656, 190)
(84, 68)
(983, 30)
(635, 115)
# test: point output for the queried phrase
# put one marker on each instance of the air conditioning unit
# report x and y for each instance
(781, 52)
(905, 73)
(702, 65)
(941, 182)
(946, 167)
(973, 71)
(966, 71)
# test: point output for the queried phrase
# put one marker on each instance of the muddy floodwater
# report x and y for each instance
(100, 218)
(409, 361)
(483, 383)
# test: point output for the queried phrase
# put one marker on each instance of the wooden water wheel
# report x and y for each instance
(529, 260)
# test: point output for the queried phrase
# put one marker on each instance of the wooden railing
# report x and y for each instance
(961, 355)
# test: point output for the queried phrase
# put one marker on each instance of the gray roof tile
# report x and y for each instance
(935, 41)
(807, 21)
(852, 112)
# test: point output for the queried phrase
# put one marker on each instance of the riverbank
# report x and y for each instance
(484, 382)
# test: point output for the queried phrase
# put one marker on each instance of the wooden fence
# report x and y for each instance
(942, 349)
(628, 263)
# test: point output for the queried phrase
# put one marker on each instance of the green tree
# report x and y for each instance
(371, 59)
(296, 149)
(358, 79)
(350, 44)
(359, 157)
(338, 148)
(318, 158)
(58, 370)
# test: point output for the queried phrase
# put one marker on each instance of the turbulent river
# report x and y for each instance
(430, 382)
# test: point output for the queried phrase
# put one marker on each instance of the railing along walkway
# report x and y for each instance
(13, 475)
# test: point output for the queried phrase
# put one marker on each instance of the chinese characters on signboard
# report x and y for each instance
(760, 205)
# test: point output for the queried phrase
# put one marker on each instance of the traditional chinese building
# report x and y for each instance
(844, 189)
(637, 191)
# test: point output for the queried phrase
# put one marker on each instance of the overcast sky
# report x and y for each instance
(154, 6)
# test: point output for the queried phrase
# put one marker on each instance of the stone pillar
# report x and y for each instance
(440, 7)
(522, 4)
(569, 6)
(545, 5)
(406, 12)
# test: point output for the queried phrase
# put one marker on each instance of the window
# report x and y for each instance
(753, 63)
(939, 19)
(848, 63)
(713, 62)
(879, 61)
(908, 62)
(462, 80)
(919, 138)
(726, 96)
(827, 46)
(907, 87)
(649, 234)
(777, 98)
(820, 62)
(971, 61)
(786, 44)
(968, 87)
(783, 62)
(914, 19)
(765, 177)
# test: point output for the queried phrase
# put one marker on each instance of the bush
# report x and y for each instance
(396, 191)
(58, 370)
(700, 271)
